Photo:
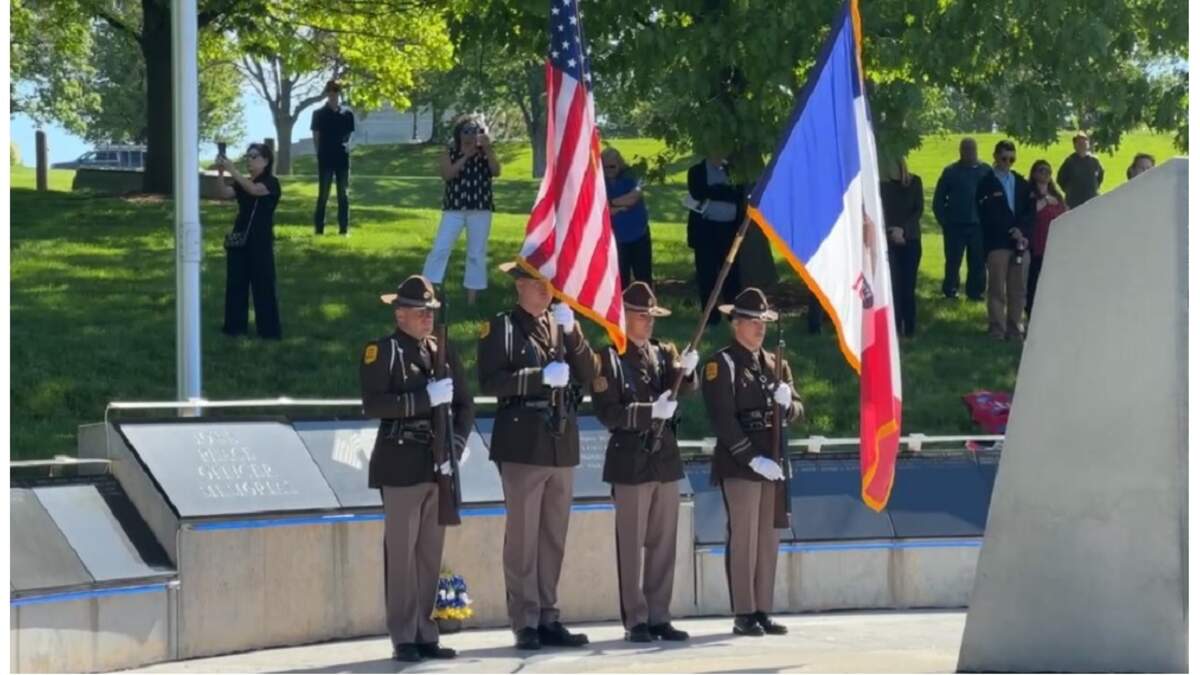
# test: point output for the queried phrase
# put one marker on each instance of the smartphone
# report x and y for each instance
(221, 149)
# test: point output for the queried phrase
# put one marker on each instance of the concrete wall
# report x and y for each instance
(101, 633)
(1084, 561)
(818, 577)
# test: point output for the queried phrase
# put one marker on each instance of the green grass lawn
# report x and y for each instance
(93, 316)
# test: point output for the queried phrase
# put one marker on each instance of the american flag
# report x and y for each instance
(569, 240)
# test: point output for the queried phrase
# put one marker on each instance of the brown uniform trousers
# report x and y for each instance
(536, 464)
(645, 485)
(737, 388)
(394, 372)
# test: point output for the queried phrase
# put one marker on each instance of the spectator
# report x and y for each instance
(630, 219)
(250, 247)
(1141, 164)
(332, 126)
(1048, 204)
(954, 209)
(1080, 175)
(903, 203)
(1007, 218)
(717, 207)
(468, 167)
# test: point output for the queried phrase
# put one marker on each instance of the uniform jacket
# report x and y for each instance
(737, 386)
(393, 375)
(513, 348)
(622, 394)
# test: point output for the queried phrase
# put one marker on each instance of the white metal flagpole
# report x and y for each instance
(185, 89)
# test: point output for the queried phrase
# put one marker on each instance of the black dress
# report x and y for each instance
(251, 268)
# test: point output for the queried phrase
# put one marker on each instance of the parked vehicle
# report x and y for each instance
(128, 157)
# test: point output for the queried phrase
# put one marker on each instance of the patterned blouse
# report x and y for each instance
(471, 189)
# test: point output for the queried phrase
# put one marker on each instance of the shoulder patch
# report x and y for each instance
(370, 354)
(600, 384)
(485, 330)
(710, 371)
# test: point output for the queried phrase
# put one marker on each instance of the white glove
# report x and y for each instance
(440, 391)
(783, 395)
(564, 316)
(688, 361)
(466, 454)
(556, 374)
(445, 468)
(767, 468)
(663, 408)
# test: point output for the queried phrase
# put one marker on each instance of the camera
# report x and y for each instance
(1020, 255)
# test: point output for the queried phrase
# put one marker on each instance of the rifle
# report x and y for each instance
(783, 496)
(558, 397)
(449, 489)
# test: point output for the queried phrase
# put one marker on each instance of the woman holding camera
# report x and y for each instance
(250, 247)
(468, 167)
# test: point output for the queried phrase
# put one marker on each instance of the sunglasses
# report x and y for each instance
(253, 155)
(1009, 159)
(470, 131)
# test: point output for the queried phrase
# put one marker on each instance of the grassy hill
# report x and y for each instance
(92, 296)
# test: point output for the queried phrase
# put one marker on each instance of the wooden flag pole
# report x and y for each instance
(703, 323)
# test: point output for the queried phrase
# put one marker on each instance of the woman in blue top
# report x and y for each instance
(630, 219)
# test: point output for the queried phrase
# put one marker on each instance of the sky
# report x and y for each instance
(65, 146)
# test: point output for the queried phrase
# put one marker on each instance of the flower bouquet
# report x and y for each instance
(453, 603)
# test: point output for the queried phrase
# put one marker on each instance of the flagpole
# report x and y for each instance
(703, 323)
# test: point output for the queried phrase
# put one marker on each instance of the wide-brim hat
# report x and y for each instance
(639, 297)
(515, 271)
(750, 304)
(414, 292)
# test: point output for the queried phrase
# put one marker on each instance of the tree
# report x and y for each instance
(50, 65)
(120, 82)
(290, 54)
(720, 75)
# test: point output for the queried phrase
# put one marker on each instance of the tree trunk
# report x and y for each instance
(535, 117)
(156, 50)
(283, 149)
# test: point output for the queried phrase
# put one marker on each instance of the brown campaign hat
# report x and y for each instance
(639, 297)
(750, 304)
(515, 271)
(415, 291)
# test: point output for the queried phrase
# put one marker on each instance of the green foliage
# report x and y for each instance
(50, 66)
(722, 76)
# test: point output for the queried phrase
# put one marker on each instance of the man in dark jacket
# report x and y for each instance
(1081, 174)
(1006, 214)
(535, 360)
(954, 208)
(400, 387)
(631, 395)
(332, 125)
(717, 207)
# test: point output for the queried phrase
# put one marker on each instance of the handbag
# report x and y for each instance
(237, 239)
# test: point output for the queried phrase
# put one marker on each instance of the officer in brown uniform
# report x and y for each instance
(740, 393)
(400, 388)
(535, 444)
(631, 395)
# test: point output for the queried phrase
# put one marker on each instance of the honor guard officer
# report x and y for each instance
(632, 395)
(535, 361)
(400, 388)
(740, 393)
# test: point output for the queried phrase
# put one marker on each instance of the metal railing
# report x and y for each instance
(812, 444)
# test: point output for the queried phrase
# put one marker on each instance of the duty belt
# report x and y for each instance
(419, 432)
(756, 420)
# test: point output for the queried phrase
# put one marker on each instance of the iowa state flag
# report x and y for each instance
(818, 203)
